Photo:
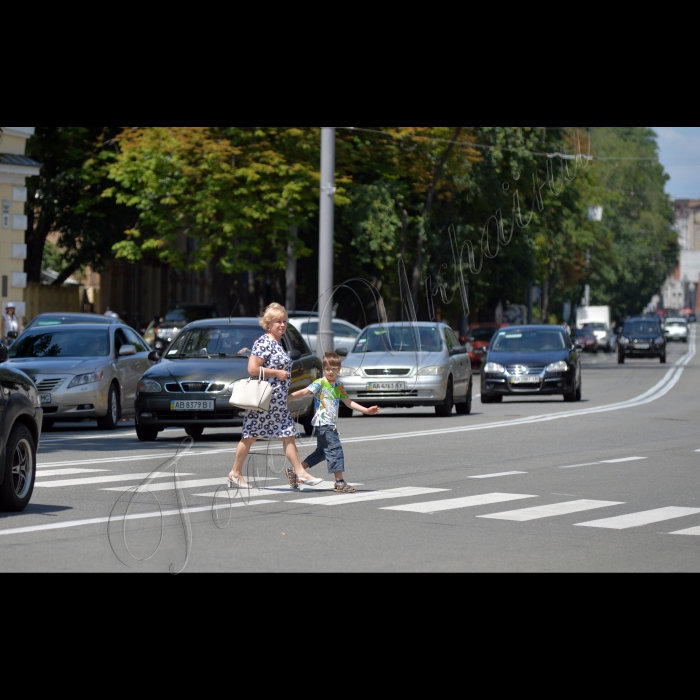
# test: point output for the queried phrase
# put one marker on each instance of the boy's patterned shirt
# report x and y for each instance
(327, 398)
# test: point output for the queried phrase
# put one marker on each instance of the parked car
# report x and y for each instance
(83, 371)
(190, 386)
(676, 329)
(531, 361)
(641, 337)
(478, 339)
(20, 430)
(175, 319)
(400, 365)
(603, 334)
(344, 333)
(47, 320)
(586, 339)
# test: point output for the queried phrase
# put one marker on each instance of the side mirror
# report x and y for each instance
(13, 335)
(341, 352)
(154, 356)
(459, 350)
(295, 355)
(127, 351)
(4, 353)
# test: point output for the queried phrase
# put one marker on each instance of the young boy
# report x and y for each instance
(328, 393)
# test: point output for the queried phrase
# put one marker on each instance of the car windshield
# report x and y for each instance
(229, 341)
(189, 314)
(676, 322)
(642, 328)
(62, 343)
(529, 341)
(311, 328)
(399, 339)
(595, 326)
(481, 335)
(69, 320)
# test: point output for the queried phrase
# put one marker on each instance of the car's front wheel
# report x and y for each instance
(111, 420)
(195, 433)
(620, 359)
(146, 433)
(445, 409)
(465, 408)
(344, 411)
(20, 470)
(663, 359)
(308, 427)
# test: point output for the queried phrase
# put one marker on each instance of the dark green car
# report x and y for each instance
(20, 427)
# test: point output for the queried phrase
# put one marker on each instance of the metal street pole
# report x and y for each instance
(325, 243)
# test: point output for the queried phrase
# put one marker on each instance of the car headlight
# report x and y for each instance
(659, 340)
(430, 371)
(86, 379)
(494, 368)
(624, 341)
(560, 366)
(148, 386)
(347, 371)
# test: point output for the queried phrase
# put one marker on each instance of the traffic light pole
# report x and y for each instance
(325, 246)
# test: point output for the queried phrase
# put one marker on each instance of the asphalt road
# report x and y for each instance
(610, 484)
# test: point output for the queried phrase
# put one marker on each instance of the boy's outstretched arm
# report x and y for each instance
(356, 407)
(299, 394)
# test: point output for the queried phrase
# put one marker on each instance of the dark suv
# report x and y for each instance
(20, 428)
(641, 337)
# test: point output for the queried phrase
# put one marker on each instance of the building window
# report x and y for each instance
(6, 213)
(4, 285)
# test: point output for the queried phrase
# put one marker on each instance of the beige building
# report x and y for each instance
(15, 168)
(682, 290)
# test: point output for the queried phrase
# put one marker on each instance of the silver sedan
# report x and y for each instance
(85, 371)
(404, 365)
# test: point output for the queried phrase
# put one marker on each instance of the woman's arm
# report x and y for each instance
(254, 365)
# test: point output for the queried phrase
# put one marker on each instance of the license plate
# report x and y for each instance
(525, 380)
(642, 346)
(387, 386)
(192, 405)
(45, 398)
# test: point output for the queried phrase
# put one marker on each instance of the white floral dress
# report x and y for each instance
(276, 423)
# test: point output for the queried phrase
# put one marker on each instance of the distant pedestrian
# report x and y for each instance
(9, 324)
(567, 328)
(328, 392)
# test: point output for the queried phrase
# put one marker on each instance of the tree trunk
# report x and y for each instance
(66, 273)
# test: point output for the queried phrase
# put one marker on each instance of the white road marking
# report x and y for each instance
(66, 472)
(339, 500)
(459, 503)
(104, 479)
(194, 484)
(493, 476)
(273, 491)
(625, 522)
(551, 511)
(620, 461)
(695, 531)
(136, 516)
(576, 466)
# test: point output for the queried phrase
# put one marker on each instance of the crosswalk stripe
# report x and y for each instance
(193, 484)
(690, 531)
(104, 479)
(67, 472)
(339, 500)
(551, 511)
(458, 503)
(277, 490)
(624, 522)
(493, 476)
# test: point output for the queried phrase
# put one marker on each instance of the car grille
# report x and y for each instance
(387, 372)
(48, 384)
(522, 371)
(194, 388)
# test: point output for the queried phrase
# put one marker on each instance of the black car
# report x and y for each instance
(176, 318)
(48, 320)
(531, 361)
(20, 427)
(641, 337)
(190, 386)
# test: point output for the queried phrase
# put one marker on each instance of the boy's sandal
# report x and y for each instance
(344, 488)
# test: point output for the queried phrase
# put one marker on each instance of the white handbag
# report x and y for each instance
(252, 394)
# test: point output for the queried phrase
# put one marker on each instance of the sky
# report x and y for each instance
(680, 156)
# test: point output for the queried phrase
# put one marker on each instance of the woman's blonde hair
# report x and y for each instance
(272, 313)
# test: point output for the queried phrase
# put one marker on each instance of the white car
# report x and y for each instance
(676, 329)
(345, 333)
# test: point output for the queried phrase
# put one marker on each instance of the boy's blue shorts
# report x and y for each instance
(328, 449)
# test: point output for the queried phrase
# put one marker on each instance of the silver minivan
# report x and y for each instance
(85, 371)
(400, 365)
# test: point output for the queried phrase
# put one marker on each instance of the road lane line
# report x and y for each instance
(41, 473)
(494, 476)
(576, 466)
(649, 517)
(104, 479)
(195, 483)
(136, 516)
(459, 503)
(550, 511)
(626, 459)
(339, 500)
